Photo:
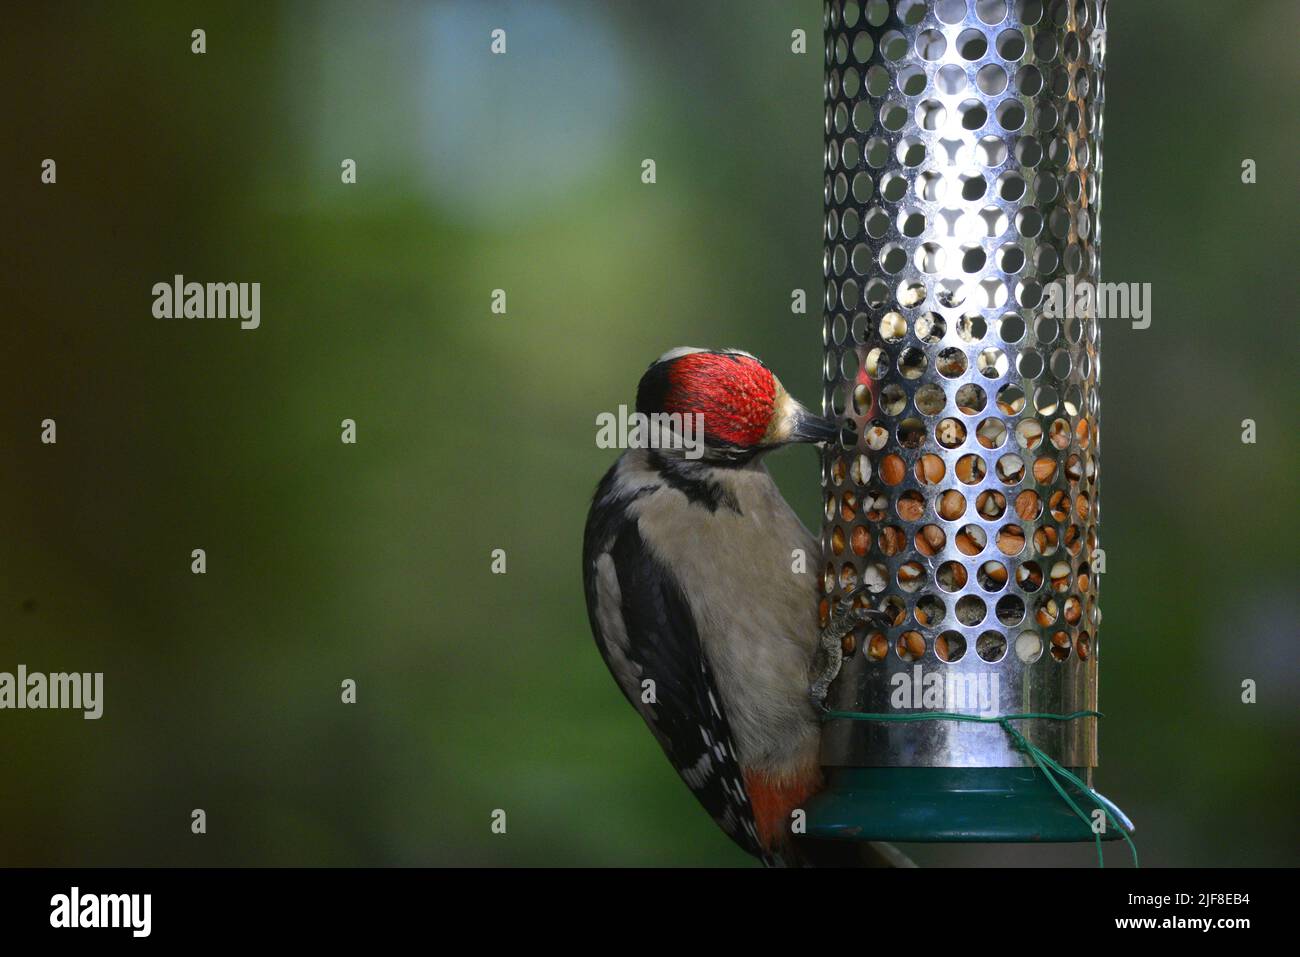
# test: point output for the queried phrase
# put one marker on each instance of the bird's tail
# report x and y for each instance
(811, 852)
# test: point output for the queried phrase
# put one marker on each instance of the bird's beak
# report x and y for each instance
(808, 427)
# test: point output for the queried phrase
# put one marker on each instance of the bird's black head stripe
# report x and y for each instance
(692, 480)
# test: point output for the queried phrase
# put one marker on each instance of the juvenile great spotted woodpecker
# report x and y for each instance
(702, 593)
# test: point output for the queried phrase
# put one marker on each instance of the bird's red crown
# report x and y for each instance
(735, 392)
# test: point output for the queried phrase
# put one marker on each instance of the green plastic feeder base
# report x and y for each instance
(947, 804)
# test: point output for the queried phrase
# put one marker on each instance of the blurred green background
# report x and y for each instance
(476, 431)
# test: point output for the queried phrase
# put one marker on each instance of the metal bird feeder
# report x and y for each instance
(963, 172)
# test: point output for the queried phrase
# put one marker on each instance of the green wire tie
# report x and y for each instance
(1049, 767)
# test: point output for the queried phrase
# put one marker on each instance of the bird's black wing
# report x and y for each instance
(645, 631)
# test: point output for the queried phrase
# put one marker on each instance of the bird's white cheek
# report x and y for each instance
(782, 426)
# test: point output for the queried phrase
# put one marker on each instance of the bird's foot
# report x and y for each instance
(846, 617)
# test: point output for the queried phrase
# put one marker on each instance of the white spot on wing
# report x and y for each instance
(698, 774)
(713, 705)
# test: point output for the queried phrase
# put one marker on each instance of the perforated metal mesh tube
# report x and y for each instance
(963, 162)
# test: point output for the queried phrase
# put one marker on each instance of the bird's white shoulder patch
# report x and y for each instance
(609, 615)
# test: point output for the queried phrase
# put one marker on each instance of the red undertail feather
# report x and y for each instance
(773, 801)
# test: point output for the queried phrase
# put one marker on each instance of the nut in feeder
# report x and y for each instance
(963, 162)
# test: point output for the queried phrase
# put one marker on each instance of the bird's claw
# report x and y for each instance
(845, 618)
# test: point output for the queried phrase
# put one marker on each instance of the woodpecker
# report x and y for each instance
(702, 593)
